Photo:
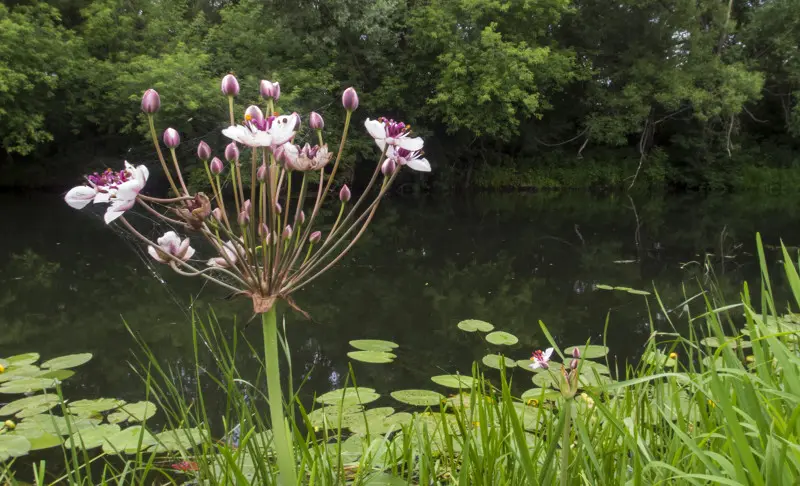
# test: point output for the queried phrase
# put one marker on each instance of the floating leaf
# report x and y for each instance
(472, 325)
(593, 380)
(178, 440)
(92, 437)
(23, 359)
(53, 424)
(378, 423)
(540, 394)
(88, 408)
(733, 343)
(349, 396)
(373, 345)
(384, 479)
(502, 338)
(330, 417)
(59, 375)
(69, 361)
(603, 287)
(129, 441)
(658, 358)
(419, 398)
(44, 441)
(133, 412)
(588, 366)
(13, 446)
(543, 380)
(375, 357)
(525, 364)
(590, 351)
(35, 401)
(27, 385)
(637, 292)
(15, 372)
(453, 381)
(494, 360)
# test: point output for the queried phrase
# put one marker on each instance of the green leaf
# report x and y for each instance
(133, 412)
(590, 351)
(36, 401)
(494, 360)
(69, 361)
(92, 437)
(502, 338)
(59, 375)
(472, 325)
(545, 379)
(13, 446)
(178, 440)
(419, 398)
(27, 385)
(540, 394)
(53, 424)
(89, 408)
(375, 357)
(373, 345)
(128, 441)
(23, 359)
(453, 381)
(16, 372)
(384, 479)
(733, 343)
(603, 287)
(329, 417)
(349, 396)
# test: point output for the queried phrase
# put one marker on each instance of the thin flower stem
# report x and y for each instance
(178, 171)
(565, 446)
(221, 204)
(253, 183)
(287, 475)
(209, 269)
(165, 201)
(161, 156)
(233, 183)
(287, 209)
(230, 109)
(338, 155)
(336, 223)
(160, 216)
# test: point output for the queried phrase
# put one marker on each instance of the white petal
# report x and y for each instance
(376, 129)
(142, 174)
(547, 353)
(189, 254)
(217, 262)
(104, 197)
(260, 139)
(282, 129)
(412, 144)
(421, 165)
(78, 197)
(381, 143)
(535, 365)
(156, 256)
(117, 209)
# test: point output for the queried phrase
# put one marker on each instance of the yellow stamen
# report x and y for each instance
(533, 402)
(2, 368)
(248, 117)
(673, 355)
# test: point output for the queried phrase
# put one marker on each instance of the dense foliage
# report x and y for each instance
(518, 92)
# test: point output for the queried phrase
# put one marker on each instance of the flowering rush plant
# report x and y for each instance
(268, 241)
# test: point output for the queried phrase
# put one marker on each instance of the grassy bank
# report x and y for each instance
(714, 405)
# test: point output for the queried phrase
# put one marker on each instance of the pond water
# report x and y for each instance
(67, 283)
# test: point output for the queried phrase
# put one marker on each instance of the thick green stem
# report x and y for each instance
(280, 427)
(565, 443)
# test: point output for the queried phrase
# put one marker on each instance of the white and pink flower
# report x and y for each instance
(414, 160)
(171, 244)
(118, 189)
(273, 131)
(230, 252)
(392, 133)
(540, 359)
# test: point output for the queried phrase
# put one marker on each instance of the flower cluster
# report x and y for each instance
(262, 244)
(568, 379)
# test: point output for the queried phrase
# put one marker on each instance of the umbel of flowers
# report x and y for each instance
(268, 240)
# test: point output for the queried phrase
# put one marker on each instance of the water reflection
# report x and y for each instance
(67, 283)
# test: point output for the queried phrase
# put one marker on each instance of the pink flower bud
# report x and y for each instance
(315, 237)
(203, 151)
(246, 206)
(576, 352)
(278, 208)
(344, 193)
(244, 218)
(171, 138)
(574, 364)
(261, 175)
(253, 113)
(297, 121)
(230, 85)
(287, 232)
(388, 167)
(315, 121)
(217, 213)
(350, 99)
(232, 152)
(263, 231)
(217, 166)
(151, 102)
(270, 90)
(301, 218)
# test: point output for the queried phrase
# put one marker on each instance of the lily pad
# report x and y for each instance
(472, 325)
(544, 380)
(92, 437)
(733, 343)
(15, 372)
(384, 479)
(373, 345)
(59, 375)
(590, 351)
(540, 394)
(23, 359)
(53, 424)
(349, 396)
(330, 417)
(129, 441)
(375, 357)
(453, 381)
(378, 423)
(89, 408)
(418, 398)
(589, 379)
(178, 440)
(69, 361)
(133, 412)
(13, 446)
(658, 358)
(28, 385)
(494, 360)
(502, 338)
(36, 401)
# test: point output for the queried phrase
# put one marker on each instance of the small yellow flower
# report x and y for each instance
(476, 424)
(712, 404)
(532, 402)
(10, 425)
(589, 400)
(673, 355)
(2, 368)
(750, 358)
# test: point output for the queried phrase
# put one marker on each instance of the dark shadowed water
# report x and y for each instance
(67, 282)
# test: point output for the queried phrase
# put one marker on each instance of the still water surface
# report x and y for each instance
(67, 282)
